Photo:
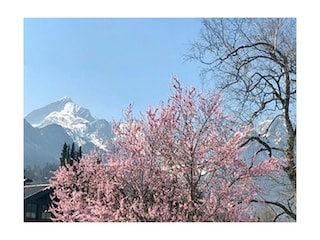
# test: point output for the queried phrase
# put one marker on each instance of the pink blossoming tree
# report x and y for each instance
(179, 162)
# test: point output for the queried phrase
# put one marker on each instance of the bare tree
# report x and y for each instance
(254, 62)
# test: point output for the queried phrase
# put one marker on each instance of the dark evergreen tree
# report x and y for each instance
(78, 154)
(72, 154)
(64, 155)
(69, 154)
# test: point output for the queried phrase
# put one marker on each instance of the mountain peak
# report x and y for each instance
(65, 99)
(60, 108)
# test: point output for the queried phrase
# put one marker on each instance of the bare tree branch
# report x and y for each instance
(284, 208)
(254, 62)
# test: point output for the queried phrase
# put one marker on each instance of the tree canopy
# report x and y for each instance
(180, 162)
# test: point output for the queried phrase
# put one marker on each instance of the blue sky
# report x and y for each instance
(106, 64)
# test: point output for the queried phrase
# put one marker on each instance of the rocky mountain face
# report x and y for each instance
(47, 128)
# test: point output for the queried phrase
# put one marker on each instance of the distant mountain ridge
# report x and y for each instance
(47, 128)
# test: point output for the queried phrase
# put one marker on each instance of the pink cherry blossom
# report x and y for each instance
(180, 162)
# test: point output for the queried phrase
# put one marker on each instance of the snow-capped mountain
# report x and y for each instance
(273, 131)
(77, 121)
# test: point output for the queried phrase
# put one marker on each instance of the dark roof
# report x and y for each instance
(30, 190)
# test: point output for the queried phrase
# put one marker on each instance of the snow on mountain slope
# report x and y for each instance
(76, 120)
(273, 130)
